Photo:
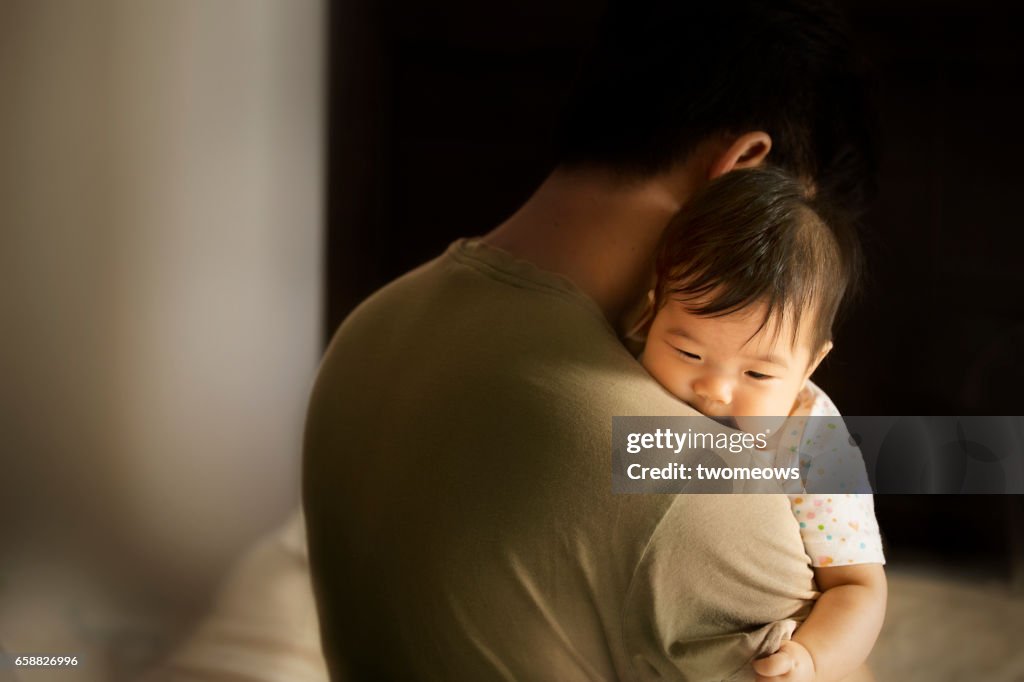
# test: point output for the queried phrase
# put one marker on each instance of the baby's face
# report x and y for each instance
(725, 367)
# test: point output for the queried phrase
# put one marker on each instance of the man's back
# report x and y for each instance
(458, 497)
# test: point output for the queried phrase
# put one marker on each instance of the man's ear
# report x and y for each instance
(746, 151)
(817, 360)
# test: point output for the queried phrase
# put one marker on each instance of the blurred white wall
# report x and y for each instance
(160, 295)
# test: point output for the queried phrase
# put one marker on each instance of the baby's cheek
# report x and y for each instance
(781, 400)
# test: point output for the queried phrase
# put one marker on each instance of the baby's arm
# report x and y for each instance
(840, 631)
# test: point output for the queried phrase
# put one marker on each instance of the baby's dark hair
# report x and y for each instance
(759, 235)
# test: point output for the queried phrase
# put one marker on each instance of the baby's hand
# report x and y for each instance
(791, 663)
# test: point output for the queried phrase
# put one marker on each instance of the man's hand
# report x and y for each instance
(791, 663)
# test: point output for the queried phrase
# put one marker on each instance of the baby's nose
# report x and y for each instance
(713, 388)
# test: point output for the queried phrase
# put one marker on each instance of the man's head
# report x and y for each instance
(667, 76)
(750, 278)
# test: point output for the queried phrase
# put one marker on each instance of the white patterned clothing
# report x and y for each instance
(838, 530)
(838, 527)
(815, 439)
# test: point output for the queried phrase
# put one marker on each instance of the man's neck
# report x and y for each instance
(597, 230)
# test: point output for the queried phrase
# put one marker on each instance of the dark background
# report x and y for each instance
(439, 120)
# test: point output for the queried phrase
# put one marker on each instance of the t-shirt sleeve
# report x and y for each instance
(723, 581)
(838, 530)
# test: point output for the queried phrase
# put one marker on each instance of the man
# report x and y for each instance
(457, 457)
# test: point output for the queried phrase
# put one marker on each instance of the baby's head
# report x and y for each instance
(749, 279)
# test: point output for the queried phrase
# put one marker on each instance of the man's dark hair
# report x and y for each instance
(758, 235)
(666, 74)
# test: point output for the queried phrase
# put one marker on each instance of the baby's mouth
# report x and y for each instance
(727, 421)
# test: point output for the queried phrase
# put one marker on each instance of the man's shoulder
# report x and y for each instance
(471, 286)
(498, 331)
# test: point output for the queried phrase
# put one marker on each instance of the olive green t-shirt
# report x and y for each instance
(458, 497)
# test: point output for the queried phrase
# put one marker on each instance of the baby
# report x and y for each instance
(749, 280)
